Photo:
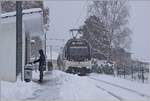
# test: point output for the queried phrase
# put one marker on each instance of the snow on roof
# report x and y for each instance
(32, 21)
(25, 11)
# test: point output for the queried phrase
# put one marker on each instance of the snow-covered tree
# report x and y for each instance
(94, 32)
(113, 15)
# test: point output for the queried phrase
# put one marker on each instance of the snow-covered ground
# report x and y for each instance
(121, 88)
(58, 85)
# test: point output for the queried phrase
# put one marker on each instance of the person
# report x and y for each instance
(42, 63)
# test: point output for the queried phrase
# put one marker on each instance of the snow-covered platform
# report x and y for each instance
(61, 86)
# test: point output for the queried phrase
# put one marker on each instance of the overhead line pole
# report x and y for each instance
(51, 52)
(19, 38)
(0, 26)
(45, 42)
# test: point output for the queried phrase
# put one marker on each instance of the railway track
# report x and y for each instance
(118, 86)
(112, 94)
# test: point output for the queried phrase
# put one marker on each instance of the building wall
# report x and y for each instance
(120, 56)
(8, 51)
(8, 42)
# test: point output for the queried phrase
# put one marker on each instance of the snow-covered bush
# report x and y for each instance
(108, 69)
(99, 70)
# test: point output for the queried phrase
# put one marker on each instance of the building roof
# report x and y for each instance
(25, 11)
(32, 21)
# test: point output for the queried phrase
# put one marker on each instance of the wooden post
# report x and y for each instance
(142, 74)
(132, 71)
(124, 71)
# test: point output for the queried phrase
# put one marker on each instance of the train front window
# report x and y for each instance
(79, 51)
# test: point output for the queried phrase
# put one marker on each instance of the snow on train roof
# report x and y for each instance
(76, 40)
(26, 11)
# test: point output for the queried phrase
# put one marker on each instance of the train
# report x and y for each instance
(75, 57)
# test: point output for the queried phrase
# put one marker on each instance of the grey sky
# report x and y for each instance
(65, 15)
(140, 26)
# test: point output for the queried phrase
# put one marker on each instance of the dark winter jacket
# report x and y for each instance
(42, 62)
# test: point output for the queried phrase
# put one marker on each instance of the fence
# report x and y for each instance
(140, 73)
(134, 73)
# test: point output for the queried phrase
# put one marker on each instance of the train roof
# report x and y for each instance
(73, 40)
